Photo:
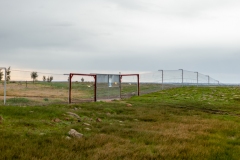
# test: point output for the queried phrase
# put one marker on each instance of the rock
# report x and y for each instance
(56, 120)
(129, 105)
(86, 124)
(73, 114)
(41, 134)
(88, 129)
(74, 133)
(68, 138)
(98, 120)
(31, 111)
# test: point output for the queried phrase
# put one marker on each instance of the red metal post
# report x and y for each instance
(138, 84)
(95, 88)
(120, 85)
(70, 88)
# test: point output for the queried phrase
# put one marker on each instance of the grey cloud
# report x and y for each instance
(120, 35)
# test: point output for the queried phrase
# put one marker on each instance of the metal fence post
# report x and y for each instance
(182, 76)
(197, 78)
(162, 78)
(5, 86)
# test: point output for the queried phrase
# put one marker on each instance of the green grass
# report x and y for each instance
(18, 100)
(180, 123)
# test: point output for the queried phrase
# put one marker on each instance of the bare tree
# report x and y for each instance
(34, 76)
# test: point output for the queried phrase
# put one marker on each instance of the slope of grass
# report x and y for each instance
(180, 123)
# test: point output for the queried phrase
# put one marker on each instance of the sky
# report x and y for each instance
(112, 36)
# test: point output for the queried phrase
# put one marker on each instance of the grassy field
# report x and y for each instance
(46, 93)
(57, 92)
(179, 123)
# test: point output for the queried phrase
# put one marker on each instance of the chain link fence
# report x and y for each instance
(46, 88)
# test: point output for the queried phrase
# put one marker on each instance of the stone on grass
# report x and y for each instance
(98, 120)
(74, 133)
(129, 105)
(56, 120)
(86, 124)
(68, 138)
(73, 114)
(88, 129)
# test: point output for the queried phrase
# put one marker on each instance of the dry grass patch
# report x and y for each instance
(40, 92)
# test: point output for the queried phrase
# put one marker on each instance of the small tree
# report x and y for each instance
(82, 79)
(34, 76)
(51, 78)
(8, 74)
(1, 75)
(44, 78)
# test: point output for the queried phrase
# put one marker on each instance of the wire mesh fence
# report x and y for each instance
(108, 86)
(54, 88)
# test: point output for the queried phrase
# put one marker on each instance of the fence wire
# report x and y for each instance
(53, 87)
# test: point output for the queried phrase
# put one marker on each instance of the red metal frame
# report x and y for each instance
(95, 83)
(79, 74)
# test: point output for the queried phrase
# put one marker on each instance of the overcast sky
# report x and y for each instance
(62, 36)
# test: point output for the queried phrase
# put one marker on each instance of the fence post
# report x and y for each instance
(95, 89)
(162, 78)
(182, 76)
(120, 85)
(70, 88)
(138, 85)
(5, 87)
(197, 78)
